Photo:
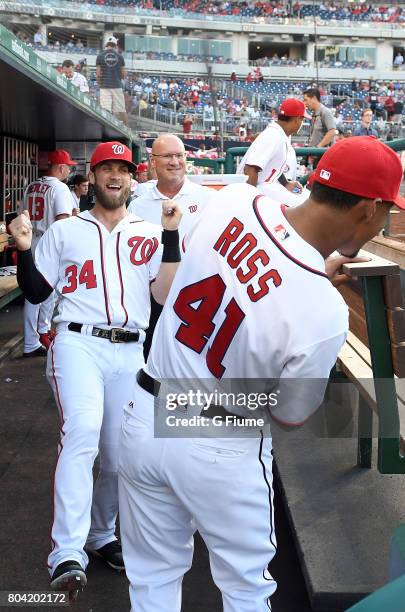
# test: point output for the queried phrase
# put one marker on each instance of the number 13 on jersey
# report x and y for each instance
(198, 327)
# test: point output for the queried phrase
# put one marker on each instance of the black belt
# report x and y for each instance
(148, 383)
(217, 411)
(114, 334)
(152, 386)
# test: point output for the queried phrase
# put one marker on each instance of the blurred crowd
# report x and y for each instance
(265, 10)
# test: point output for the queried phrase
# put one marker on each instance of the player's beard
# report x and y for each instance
(111, 202)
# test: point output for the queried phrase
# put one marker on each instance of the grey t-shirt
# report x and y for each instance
(322, 121)
(110, 62)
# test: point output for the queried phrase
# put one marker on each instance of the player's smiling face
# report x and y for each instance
(112, 184)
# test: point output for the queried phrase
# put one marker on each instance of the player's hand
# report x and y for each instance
(75, 211)
(171, 215)
(21, 230)
(294, 186)
(333, 268)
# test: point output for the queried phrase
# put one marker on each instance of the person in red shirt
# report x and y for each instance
(187, 124)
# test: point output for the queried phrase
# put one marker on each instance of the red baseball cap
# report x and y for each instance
(142, 167)
(112, 151)
(364, 166)
(291, 107)
(60, 157)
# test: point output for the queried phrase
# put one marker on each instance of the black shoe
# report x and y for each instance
(112, 555)
(69, 576)
(39, 352)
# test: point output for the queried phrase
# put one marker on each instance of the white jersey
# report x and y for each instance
(250, 300)
(191, 198)
(101, 277)
(80, 81)
(45, 199)
(290, 170)
(269, 152)
(143, 188)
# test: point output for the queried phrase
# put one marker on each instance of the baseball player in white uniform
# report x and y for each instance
(230, 318)
(168, 158)
(103, 265)
(267, 157)
(48, 199)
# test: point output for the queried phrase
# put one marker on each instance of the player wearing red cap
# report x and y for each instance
(103, 264)
(266, 159)
(250, 311)
(142, 172)
(47, 200)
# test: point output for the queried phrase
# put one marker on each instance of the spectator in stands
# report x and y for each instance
(249, 78)
(38, 37)
(75, 78)
(323, 127)
(208, 115)
(234, 77)
(80, 192)
(258, 75)
(398, 60)
(365, 128)
(389, 107)
(187, 124)
(373, 97)
(398, 108)
(110, 70)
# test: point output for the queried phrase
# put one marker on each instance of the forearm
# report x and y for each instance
(170, 261)
(33, 285)
(161, 286)
(327, 139)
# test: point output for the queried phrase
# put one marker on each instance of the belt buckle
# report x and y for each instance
(114, 335)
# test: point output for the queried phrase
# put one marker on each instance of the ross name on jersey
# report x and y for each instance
(38, 188)
(251, 264)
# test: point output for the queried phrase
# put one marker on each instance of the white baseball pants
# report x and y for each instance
(92, 380)
(168, 488)
(37, 320)
(37, 317)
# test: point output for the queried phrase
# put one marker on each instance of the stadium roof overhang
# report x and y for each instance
(38, 104)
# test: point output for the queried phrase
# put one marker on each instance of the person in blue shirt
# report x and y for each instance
(365, 128)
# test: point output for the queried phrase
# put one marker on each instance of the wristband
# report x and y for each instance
(170, 237)
(171, 248)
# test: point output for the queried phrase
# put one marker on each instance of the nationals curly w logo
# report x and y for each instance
(118, 149)
(142, 249)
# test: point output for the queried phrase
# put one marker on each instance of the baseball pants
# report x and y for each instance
(37, 317)
(37, 320)
(92, 380)
(171, 487)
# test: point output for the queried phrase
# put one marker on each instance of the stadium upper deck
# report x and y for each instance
(254, 10)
